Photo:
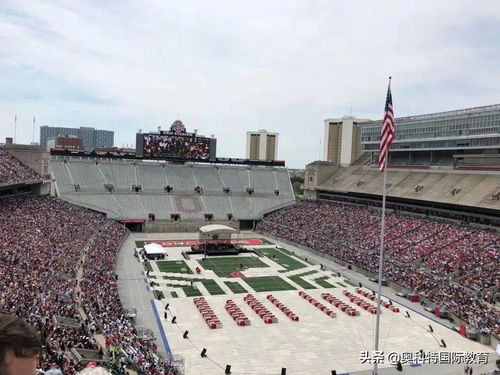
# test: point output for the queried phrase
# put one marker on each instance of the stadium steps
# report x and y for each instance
(63, 177)
(482, 192)
(427, 181)
(339, 176)
(197, 183)
(466, 184)
(347, 183)
(161, 206)
(121, 175)
(153, 177)
(402, 183)
(208, 178)
(441, 190)
(363, 159)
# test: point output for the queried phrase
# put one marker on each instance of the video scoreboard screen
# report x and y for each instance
(174, 146)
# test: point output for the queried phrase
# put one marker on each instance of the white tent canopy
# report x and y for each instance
(154, 249)
(217, 229)
(216, 232)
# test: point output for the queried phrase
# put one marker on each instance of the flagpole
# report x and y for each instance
(380, 266)
(381, 255)
(33, 134)
(15, 127)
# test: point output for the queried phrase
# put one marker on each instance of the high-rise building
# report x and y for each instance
(91, 137)
(262, 145)
(342, 140)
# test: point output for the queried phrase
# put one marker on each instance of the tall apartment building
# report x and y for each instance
(91, 137)
(342, 140)
(262, 145)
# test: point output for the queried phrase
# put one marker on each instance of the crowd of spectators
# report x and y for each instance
(13, 171)
(102, 305)
(481, 278)
(44, 244)
(440, 260)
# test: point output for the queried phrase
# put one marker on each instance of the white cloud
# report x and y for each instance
(226, 67)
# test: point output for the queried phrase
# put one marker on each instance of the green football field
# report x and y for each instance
(286, 261)
(179, 279)
(225, 266)
(173, 266)
(268, 283)
(235, 287)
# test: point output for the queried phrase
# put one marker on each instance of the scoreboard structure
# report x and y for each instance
(175, 144)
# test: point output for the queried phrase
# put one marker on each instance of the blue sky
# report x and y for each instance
(225, 67)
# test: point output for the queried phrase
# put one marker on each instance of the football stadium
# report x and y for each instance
(172, 260)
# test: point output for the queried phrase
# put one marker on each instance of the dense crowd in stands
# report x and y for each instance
(104, 310)
(485, 277)
(422, 254)
(13, 171)
(43, 243)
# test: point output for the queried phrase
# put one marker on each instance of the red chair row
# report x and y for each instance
(317, 304)
(372, 297)
(372, 309)
(238, 316)
(207, 313)
(260, 310)
(351, 311)
(366, 294)
(282, 307)
(388, 305)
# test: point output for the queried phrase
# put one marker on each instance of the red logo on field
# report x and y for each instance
(237, 274)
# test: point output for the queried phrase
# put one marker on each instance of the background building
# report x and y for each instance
(91, 137)
(342, 140)
(262, 145)
(70, 143)
(465, 136)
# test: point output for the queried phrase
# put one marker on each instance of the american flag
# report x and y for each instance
(387, 134)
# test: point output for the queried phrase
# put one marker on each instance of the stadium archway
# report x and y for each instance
(134, 225)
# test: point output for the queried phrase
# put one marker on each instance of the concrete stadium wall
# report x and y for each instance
(32, 156)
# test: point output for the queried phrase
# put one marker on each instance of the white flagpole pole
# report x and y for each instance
(380, 266)
(381, 256)
(15, 127)
(33, 134)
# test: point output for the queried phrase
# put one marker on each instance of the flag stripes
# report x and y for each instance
(387, 133)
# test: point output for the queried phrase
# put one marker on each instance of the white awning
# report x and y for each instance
(217, 229)
(153, 249)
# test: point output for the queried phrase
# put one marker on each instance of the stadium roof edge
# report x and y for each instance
(429, 116)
